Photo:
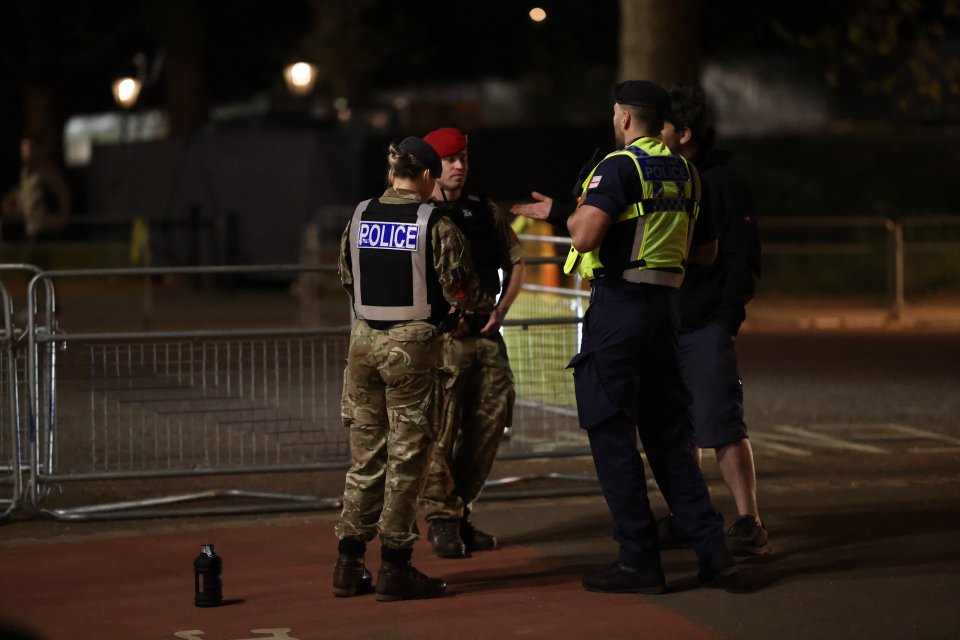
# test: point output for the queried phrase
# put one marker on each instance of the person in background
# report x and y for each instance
(712, 303)
(41, 201)
(480, 394)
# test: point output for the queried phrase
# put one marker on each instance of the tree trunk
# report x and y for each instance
(41, 72)
(187, 97)
(41, 118)
(660, 41)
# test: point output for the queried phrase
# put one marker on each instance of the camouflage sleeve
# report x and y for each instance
(510, 250)
(454, 266)
(346, 273)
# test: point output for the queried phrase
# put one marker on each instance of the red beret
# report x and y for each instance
(447, 141)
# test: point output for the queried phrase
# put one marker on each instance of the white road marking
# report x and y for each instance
(768, 441)
(828, 441)
(934, 449)
(855, 435)
(884, 431)
(923, 433)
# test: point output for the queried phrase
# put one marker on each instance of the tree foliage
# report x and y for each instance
(906, 52)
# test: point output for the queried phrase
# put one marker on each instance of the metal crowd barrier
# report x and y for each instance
(882, 252)
(545, 417)
(140, 405)
(542, 334)
(10, 445)
(14, 427)
(890, 251)
(135, 408)
(130, 407)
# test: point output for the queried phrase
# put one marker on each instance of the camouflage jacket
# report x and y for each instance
(451, 256)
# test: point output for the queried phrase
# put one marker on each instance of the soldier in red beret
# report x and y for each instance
(481, 393)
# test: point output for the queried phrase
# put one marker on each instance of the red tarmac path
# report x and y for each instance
(865, 542)
(279, 578)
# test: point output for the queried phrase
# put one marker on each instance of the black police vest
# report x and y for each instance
(392, 258)
(475, 218)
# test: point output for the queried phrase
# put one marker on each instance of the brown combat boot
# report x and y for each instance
(474, 539)
(402, 581)
(444, 535)
(350, 576)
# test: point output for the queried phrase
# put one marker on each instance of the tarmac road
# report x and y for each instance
(857, 436)
(849, 377)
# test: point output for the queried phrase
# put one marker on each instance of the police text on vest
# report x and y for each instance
(388, 235)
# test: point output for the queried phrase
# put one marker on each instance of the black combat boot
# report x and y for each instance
(474, 539)
(398, 579)
(350, 576)
(444, 535)
(671, 535)
(624, 578)
(719, 570)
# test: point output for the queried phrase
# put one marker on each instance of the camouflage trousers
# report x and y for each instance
(391, 403)
(478, 406)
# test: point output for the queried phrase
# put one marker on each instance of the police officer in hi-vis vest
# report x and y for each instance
(404, 266)
(480, 392)
(632, 235)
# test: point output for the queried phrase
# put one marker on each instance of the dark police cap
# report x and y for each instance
(425, 154)
(642, 93)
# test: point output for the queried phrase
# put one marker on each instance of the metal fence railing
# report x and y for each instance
(545, 416)
(889, 258)
(134, 407)
(98, 239)
(14, 425)
(10, 436)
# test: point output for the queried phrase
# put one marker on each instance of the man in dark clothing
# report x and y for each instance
(712, 303)
(636, 228)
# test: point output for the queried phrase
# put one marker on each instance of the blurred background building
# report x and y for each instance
(274, 114)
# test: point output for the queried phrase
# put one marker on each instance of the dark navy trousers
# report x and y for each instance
(628, 384)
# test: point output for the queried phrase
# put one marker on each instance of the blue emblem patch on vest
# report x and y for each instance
(663, 168)
(388, 235)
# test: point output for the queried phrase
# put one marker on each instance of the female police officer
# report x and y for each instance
(403, 265)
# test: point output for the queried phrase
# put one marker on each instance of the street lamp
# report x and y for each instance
(126, 91)
(537, 14)
(300, 78)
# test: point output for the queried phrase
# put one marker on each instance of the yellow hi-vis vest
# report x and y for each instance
(663, 219)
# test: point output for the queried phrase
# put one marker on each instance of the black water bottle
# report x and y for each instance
(207, 586)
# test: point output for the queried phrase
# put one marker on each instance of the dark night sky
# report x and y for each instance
(83, 45)
(79, 46)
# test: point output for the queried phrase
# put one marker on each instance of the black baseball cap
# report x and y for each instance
(424, 154)
(642, 93)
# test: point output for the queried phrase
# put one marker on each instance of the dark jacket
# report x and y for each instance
(719, 293)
